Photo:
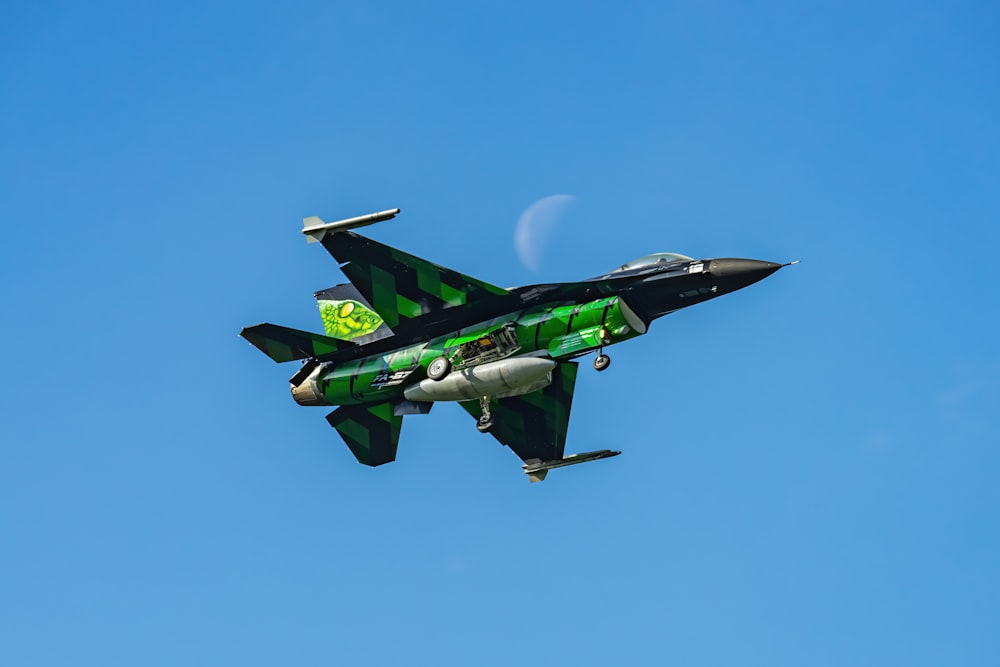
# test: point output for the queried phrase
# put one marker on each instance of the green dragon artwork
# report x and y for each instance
(348, 319)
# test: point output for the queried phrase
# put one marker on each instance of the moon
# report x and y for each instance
(535, 227)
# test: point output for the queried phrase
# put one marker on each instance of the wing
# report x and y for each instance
(534, 425)
(403, 288)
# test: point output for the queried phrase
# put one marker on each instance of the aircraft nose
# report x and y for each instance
(737, 273)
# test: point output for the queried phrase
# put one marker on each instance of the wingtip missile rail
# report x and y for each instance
(315, 229)
(536, 469)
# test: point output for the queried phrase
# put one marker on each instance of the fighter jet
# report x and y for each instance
(406, 333)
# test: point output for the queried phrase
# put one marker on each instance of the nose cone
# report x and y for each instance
(734, 274)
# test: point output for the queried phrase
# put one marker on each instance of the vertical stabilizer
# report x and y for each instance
(347, 315)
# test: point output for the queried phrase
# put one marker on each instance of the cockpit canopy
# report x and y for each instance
(656, 259)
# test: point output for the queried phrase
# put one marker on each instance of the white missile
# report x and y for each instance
(315, 229)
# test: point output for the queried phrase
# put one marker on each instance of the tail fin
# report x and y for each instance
(284, 344)
(347, 316)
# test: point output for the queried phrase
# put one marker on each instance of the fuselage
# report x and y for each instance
(555, 322)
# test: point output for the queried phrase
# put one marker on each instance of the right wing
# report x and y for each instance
(534, 425)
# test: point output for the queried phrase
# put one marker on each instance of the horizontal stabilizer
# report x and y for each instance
(536, 469)
(284, 344)
(370, 431)
(315, 229)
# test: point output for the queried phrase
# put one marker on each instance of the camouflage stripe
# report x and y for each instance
(572, 316)
(538, 325)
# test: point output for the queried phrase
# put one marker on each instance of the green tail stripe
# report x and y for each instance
(370, 431)
(284, 344)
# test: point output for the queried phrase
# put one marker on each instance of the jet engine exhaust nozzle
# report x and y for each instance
(305, 384)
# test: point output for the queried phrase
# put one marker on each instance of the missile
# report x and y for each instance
(536, 469)
(315, 229)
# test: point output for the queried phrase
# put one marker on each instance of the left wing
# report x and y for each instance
(403, 288)
(534, 425)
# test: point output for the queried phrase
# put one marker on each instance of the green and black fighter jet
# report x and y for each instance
(406, 333)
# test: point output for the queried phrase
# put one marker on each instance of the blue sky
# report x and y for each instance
(809, 467)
